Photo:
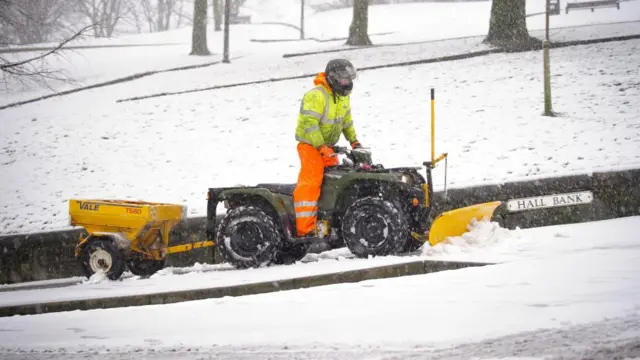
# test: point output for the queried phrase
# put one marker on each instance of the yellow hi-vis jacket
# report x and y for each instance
(323, 116)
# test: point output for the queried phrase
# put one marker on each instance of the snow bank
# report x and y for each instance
(482, 235)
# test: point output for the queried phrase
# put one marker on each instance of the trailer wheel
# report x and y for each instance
(102, 255)
(145, 267)
(374, 226)
(248, 237)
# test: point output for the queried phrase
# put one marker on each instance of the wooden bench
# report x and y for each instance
(592, 4)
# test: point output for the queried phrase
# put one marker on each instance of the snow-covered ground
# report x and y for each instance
(173, 148)
(570, 290)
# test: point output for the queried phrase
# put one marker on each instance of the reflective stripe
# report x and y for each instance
(325, 115)
(311, 113)
(305, 214)
(349, 124)
(333, 121)
(303, 140)
(311, 129)
(305, 203)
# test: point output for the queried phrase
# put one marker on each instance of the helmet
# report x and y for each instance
(340, 74)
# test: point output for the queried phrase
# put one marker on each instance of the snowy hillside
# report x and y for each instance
(173, 148)
(412, 22)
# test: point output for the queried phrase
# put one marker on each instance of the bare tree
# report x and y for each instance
(199, 33)
(160, 15)
(35, 68)
(358, 30)
(104, 13)
(508, 26)
(217, 15)
(31, 21)
(178, 12)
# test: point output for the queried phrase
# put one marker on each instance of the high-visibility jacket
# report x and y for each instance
(324, 116)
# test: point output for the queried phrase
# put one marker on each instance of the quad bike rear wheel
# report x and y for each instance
(100, 255)
(248, 237)
(374, 226)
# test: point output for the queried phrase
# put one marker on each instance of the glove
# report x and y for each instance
(356, 145)
(328, 156)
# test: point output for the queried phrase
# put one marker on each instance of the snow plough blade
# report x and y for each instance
(455, 222)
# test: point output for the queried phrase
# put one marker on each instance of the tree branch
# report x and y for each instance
(4, 67)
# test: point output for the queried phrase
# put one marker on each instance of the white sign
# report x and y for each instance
(540, 202)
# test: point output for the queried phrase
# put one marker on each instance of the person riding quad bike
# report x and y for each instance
(353, 202)
(325, 114)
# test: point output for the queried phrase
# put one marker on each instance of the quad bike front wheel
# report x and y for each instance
(374, 226)
(101, 255)
(248, 237)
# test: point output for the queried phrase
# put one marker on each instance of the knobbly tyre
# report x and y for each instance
(374, 211)
(126, 234)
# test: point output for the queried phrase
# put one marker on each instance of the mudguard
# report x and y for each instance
(245, 194)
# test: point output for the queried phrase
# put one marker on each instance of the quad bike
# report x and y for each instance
(375, 211)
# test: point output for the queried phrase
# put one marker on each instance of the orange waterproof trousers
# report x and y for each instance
(307, 192)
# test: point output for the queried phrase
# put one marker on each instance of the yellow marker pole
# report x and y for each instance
(433, 114)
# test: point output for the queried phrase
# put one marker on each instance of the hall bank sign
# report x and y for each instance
(550, 201)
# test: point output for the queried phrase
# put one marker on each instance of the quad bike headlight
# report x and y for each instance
(405, 178)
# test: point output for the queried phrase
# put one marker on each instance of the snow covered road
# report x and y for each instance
(570, 286)
(616, 338)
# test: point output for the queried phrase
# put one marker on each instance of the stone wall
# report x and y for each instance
(615, 194)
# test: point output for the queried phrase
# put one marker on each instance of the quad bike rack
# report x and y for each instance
(121, 233)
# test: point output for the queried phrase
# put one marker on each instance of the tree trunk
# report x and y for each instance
(199, 34)
(358, 31)
(160, 19)
(508, 26)
(217, 15)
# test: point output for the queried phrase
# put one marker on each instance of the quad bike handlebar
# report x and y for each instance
(358, 159)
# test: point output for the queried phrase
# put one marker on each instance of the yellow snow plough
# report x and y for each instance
(122, 233)
(454, 222)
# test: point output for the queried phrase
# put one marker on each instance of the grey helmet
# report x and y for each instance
(340, 74)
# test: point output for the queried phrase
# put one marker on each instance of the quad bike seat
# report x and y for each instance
(286, 189)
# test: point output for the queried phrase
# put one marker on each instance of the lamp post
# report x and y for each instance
(546, 66)
(301, 19)
(227, 13)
